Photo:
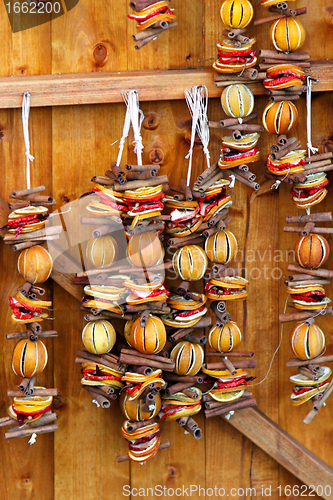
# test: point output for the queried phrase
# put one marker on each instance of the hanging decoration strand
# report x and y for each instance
(25, 123)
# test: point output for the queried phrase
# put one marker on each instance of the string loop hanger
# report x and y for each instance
(25, 124)
(133, 116)
(197, 102)
(311, 150)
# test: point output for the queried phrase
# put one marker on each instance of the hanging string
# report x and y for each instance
(197, 102)
(311, 149)
(277, 183)
(133, 112)
(25, 123)
(275, 352)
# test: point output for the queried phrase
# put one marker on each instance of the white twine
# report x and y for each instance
(277, 183)
(96, 403)
(135, 117)
(232, 181)
(32, 440)
(230, 414)
(197, 102)
(308, 209)
(25, 123)
(311, 149)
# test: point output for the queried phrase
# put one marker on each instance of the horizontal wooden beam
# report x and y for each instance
(281, 446)
(153, 85)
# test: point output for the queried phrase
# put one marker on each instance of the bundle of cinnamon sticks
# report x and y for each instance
(152, 21)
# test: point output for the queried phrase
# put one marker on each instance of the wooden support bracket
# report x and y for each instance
(281, 446)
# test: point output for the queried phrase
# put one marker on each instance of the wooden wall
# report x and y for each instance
(70, 145)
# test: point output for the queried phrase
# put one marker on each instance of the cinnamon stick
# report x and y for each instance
(195, 339)
(247, 128)
(314, 230)
(307, 373)
(300, 64)
(101, 400)
(153, 306)
(292, 145)
(104, 181)
(28, 432)
(253, 185)
(246, 403)
(102, 231)
(19, 204)
(250, 176)
(300, 316)
(197, 379)
(36, 392)
(280, 98)
(208, 172)
(182, 421)
(23, 385)
(148, 174)
(263, 20)
(151, 33)
(235, 32)
(210, 182)
(214, 220)
(249, 364)
(130, 185)
(212, 230)
(282, 140)
(186, 189)
(322, 156)
(310, 416)
(179, 387)
(142, 168)
(240, 354)
(191, 241)
(38, 198)
(26, 192)
(155, 357)
(144, 317)
(229, 122)
(319, 217)
(139, 361)
(101, 220)
(86, 356)
(318, 170)
(179, 334)
(322, 273)
(47, 231)
(295, 362)
(317, 164)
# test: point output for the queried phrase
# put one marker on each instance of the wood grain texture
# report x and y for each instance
(87, 57)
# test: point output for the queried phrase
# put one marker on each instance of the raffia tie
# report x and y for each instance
(25, 123)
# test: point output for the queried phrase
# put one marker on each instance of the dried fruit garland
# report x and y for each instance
(285, 82)
(235, 63)
(30, 413)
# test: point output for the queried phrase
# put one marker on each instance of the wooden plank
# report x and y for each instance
(153, 85)
(286, 450)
